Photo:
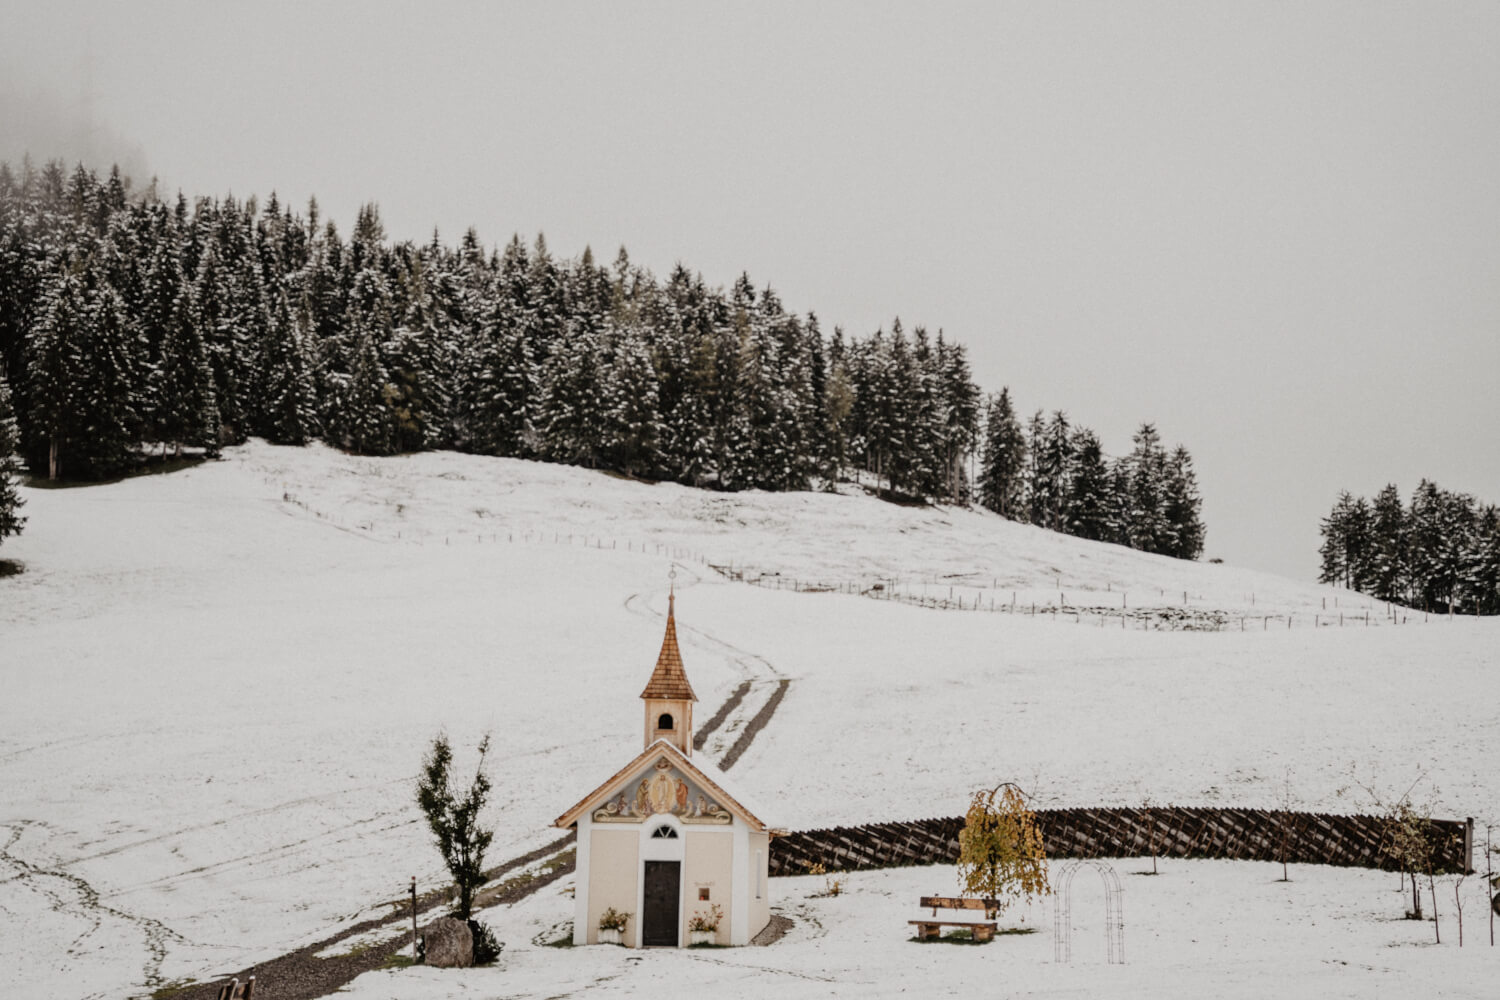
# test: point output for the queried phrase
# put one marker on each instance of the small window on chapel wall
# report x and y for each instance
(665, 722)
(665, 832)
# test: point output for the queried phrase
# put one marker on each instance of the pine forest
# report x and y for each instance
(1440, 552)
(133, 327)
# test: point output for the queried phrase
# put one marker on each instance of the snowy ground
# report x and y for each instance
(1200, 929)
(218, 685)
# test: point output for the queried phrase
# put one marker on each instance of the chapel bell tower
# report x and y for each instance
(668, 696)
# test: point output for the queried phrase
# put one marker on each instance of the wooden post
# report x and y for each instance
(413, 918)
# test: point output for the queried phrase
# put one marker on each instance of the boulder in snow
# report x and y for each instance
(448, 944)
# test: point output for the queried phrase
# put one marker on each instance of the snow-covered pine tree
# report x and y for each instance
(1387, 567)
(632, 426)
(1184, 506)
(571, 411)
(548, 319)
(498, 392)
(181, 386)
(1333, 552)
(1088, 488)
(1039, 487)
(1480, 583)
(287, 404)
(924, 466)
(11, 521)
(1438, 523)
(1054, 472)
(837, 408)
(693, 426)
(361, 418)
(1119, 501)
(1148, 528)
(1002, 469)
(220, 304)
(366, 424)
(960, 404)
(81, 374)
(416, 365)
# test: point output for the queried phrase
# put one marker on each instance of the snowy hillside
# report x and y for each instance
(219, 684)
(823, 538)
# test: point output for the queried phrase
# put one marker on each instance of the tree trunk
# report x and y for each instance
(1432, 885)
(1416, 898)
(52, 464)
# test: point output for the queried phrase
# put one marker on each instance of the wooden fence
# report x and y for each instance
(1167, 831)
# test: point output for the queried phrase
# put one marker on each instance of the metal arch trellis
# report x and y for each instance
(1062, 911)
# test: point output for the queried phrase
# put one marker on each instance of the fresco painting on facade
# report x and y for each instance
(664, 791)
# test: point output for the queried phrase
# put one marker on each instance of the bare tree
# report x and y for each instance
(1458, 903)
(1286, 826)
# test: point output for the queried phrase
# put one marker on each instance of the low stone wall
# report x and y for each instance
(1173, 832)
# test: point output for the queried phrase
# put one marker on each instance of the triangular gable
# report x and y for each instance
(660, 793)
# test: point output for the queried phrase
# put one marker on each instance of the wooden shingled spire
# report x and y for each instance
(669, 680)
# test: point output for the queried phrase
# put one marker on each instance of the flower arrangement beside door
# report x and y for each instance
(703, 926)
(612, 926)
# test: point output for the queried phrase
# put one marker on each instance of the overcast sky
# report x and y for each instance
(1272, 229)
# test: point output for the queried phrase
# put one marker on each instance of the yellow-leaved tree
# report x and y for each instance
(1000, 852)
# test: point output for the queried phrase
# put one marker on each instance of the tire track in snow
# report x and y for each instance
(735, 722)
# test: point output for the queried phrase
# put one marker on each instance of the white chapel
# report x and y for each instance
(664, 840)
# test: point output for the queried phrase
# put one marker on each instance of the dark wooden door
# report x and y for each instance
(663, 890)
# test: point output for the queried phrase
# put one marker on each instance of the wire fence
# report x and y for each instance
(1073, 602)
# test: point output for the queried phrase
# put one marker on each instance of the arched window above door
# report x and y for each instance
(664, 832)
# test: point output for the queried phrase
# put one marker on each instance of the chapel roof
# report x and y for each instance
(669, 679)
(709, 776)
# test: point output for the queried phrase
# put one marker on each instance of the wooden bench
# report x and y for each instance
(983, 930)
(236, 990)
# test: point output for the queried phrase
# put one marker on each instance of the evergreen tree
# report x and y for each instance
(1089, 488)
(1002, 473)
(288, 404)
(837, 408)
(960, 409)
(11, 522)
(362, 418)
(1334, 550)
(571, 408)
(1053, 473)
(1183, 506)
(1480, 583)
(632, 426)
(365, 423)
(1387, 569)
(1439, 525)
(182, 384)
(80, 374)
(498, 394)
(1039, 488)
(1148, 528)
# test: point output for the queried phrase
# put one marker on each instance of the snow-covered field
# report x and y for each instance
(218, 685)
(1200, 929)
